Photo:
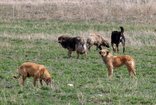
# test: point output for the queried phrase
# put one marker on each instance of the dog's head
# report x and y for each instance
(45, 75)
(104, 53)
(105, 43)
(61, 38)
(48, 81)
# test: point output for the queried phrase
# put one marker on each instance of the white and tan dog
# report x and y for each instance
(29, 69)
(97, 40)
(113, 62)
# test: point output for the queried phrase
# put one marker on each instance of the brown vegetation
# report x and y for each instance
(125, 10)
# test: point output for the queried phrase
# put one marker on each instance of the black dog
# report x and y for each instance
(73, 44)
(116, 38)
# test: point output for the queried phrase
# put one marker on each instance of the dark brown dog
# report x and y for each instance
(73, 44)
(113, 62)
(116, 38)
(98, 40)
(29, 69)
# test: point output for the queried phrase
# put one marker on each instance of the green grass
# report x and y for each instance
(55, 26)
(89, 77)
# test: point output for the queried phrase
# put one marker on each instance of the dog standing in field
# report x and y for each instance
(73, 44)
(113, 62)
(116, 38)
(98, 40)
(29, 69)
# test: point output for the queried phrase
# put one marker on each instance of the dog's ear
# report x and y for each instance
(107, 52)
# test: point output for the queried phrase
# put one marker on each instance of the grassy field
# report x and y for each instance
(35, 40)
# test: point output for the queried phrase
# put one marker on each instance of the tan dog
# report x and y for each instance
(29, 69)
(98, 40)
(113, 62)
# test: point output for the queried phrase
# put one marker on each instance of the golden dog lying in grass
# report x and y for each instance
(113, 62)
(29, 69)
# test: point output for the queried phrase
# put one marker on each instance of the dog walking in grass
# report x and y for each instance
(73, 44)
(97, 40)
(114, 62)
(116, 38)
(37, 71)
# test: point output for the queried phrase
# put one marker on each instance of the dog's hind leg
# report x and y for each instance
(131, 68)
(123, 44)
(134, 73)
(70, 52)
(117, 46)
(129, 73)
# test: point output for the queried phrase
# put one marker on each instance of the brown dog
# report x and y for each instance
(73, 44)
(113, 62)
(98, 40)
(34, 70)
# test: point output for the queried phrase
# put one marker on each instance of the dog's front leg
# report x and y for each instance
(88, 46)
(41, 82)
(97, 47)
(110, 71)
(70, 52)
(77, 54)
(85, 54)
(35, 78)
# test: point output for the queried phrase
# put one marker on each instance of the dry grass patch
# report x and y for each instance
(133, 38)
(31, 37)
(140, 10)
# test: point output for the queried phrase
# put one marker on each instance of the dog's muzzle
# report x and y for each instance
(100, 54)
(82, 52)
(107, 46)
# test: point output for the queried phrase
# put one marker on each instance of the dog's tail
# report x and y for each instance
(16, 77)
(122, 30)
